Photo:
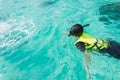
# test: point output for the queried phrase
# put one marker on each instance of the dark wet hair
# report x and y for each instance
(76, 30)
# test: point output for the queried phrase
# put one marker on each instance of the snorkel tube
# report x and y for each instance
(86, 25)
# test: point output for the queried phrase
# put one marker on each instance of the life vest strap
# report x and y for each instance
(96, 44)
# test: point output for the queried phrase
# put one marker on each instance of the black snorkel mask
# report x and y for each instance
(76, 33)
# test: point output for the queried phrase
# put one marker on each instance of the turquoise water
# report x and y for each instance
(33, 46)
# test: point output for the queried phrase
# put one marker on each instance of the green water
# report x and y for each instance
(33, 46)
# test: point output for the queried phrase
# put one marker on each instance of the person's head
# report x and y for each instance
(76, 30)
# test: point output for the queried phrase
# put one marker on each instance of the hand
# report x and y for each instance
(87, 61)
(66, 33)
(88, 76)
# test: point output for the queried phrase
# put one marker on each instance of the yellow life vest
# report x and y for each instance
(92, 43)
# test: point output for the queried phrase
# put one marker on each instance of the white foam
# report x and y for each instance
(15, 31)
(1, 75)
(3, 27)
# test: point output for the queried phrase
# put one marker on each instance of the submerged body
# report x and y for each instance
(87, 42)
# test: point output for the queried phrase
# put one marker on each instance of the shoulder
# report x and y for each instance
(80, 46)
(79, 43)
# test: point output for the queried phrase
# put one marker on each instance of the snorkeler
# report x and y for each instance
(86, 43)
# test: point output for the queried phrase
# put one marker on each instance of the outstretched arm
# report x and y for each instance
(87, 60)
(81, 47)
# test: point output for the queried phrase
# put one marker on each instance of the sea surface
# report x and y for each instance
(33, 46)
